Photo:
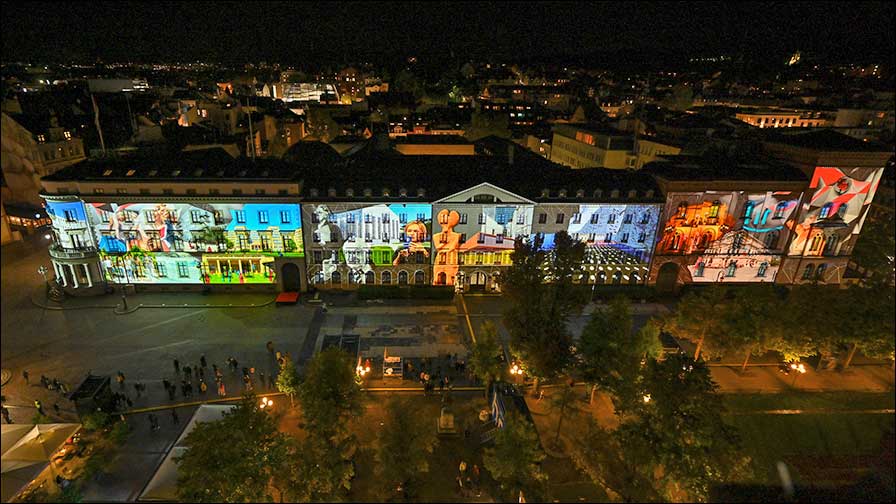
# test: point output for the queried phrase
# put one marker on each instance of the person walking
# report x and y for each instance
(172, 389)
(236, 365)
(176, 366)
(202, 360)
(202, 386)
(221, 390)
(56, 408)
(166, 384)
(39, 406)
(174, 417)
(5, 413)
(137, 389)
(44, 382)
(187, 372)
(183, 388)
(215, 369)
(25, 376)
(120, 378)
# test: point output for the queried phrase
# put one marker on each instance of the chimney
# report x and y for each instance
(510, 149)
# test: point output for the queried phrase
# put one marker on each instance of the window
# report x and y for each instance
(682, 210)
(104, 217)
(259, 192)
(830, 245)
(182, 269)
(819, 273)
(168, 191)
(825, 211)
(779, 210)
(560, 218)
(283, 192)
(463, 218)
(807, 271)
(369, 277)
(714, 209)
(463, 237)
(214, 192)
(642, 237)
(70, 216)
(732, 269)
(419, 277)
(386, 277)
(243, 240)
(265, 241)
(336, 277)
(195, 216)
(816, 243)
(97, 190)
(318, 257)
(402, 277)
(482, 218)
(576, 218)
(542, 218)
(240, 216)
(161, 270)
(617, 278)
(480, 238)
(763, 267)
(219, 218)
(237, 192)
(285, 217)
(611, 219)
(624, 237)
(748, 210)
(608, 238)
(499, 238)
(738, 241)
(191, 192)
(771, 239)
(841, 211)
(627, 219)
(263, 216)
(595, 217)
(520, 218)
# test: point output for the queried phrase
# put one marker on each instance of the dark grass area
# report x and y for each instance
(836, 447)
(810, 400)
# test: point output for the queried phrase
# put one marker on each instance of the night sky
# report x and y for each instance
(315, 33)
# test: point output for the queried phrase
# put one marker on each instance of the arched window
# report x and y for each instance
(825, 211)
(419, 277)
(807, 271)
(369, 277)
(700, 268)
(441, 278)
(682, 210)
(779, 210)
(817, 240)
(617, 278)
(771, 239)
(402, 277)
(819, 273)
(830, 245)
(762, 269)
(319, 277)
(336, 277)
(633, 278)
(732, 269)
(386, 277)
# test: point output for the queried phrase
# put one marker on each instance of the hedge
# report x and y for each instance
(405, 292)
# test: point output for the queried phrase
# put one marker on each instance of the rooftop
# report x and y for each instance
(823, 140)
(685, 168)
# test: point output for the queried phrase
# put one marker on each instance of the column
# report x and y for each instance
(61, 273)
(71, 268)
(89, 276)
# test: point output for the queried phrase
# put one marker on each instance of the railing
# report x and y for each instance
(72, 253)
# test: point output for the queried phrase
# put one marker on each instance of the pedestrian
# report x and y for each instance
(120, 379)
(53, 385)
(187, 372)
(462, 467)
(5, 413)
(44, 381)
(183, 388)
(202, 386)
(441, 386)
(270, 346)
(221, 390)
(171, 391)
(174, 416)
(201, 372)
(25, 376)
(202, 360)
(176, 366)
(189, 389)
(447, 381)
(246, 382)
(128, 401)
(215, 369)
(245, 371)
(261, 378)
(271, 381)
(56, 408)
(153, 423)
(166, 384)
(236, 365)
(137, 389)
(39, 406)
(476, 475)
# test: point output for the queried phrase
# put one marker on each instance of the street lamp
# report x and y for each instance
(266, 403)
(797, 370)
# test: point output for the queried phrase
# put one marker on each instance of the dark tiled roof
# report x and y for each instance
(432, 140)
(823, 140)
(684, 168)
(201, 164)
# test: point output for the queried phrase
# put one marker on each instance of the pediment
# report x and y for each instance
(480, 194)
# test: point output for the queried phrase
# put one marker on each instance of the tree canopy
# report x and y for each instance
(485, 356)
(404, 446)
(515, 459)
(233, 459)
(329, 396)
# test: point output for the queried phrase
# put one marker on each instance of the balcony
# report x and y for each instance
(69, 225)
(57, 252)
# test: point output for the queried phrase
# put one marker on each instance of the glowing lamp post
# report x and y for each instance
(266, 403)
(797, 370)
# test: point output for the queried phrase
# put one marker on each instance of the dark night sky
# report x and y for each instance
(306, 32)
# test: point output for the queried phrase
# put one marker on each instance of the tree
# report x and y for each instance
(680, 98)
(609, 356)
(329, 396)
(562, 400)
(874, 249)
(404, 445)
(485, 357)
(599, 455)
(288, 380)
(677, 432)
(316, 471)
(539, 284)
(515, 459)
(747, 322)
(233, 459)
(695, 317)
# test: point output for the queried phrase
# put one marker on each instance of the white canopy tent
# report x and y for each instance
(163, 485)
(27, 450)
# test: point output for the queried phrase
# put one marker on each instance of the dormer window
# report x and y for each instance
(152, 173)
(198, 172)
(402, 192)
(107, 173)
(649, 193)
(545, 193)
(598, 193)
(368, 192)
(175, 173)
(312, 192)
(41, 138)
(632, 194)
(331, 192)
(580, 193)
(350, 193)
(386, 192)
(614, 193)
(67, 135)
(421, 192)
(130, 173)
(561, 193)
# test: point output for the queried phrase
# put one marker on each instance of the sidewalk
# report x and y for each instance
(154, 300)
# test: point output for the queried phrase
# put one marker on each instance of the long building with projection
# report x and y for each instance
(203, 220)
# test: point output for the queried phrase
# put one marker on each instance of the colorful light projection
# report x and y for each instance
(195, 242)
(356, 240)
(619, 238)
(728, 236)
(69, 222)
(832, 217)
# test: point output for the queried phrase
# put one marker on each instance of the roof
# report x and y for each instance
(597, 129)
(433, 140)
(25, 211)
(213, 163)
(687, 168)
(823, 140)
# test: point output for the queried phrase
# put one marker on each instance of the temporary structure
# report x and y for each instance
(27, 449)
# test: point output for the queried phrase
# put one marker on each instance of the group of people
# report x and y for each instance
(468, 483)
(47, 383)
